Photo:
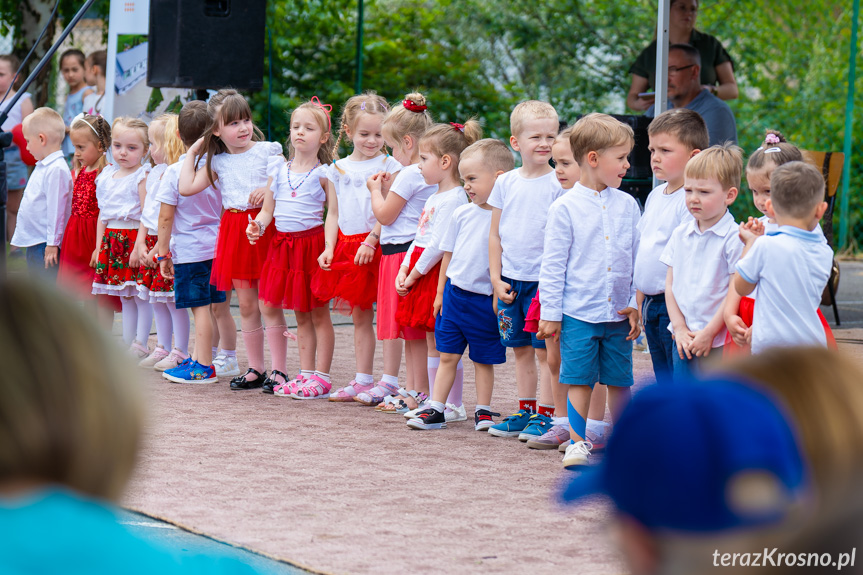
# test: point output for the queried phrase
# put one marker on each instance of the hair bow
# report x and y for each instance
(771, 139)
(457, 126)
(773, 150)
(80, 118)
(328, 109)
(413, 106)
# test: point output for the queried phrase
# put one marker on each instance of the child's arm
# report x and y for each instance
(702, 340)
(748, 234)
(191, 181)
(552, 272)
(682, 337)
(58, 197)
(366, 251)
(736, 327)
(331, 228)
(385, 206)
(139, 252)
(433, 252)
(100, 232)
(256, 227)
(495, 265)
(163, 244)
(259, 195)
(441, 283)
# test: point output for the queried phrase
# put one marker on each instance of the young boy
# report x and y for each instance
(587, 296)
(675, 137)
(464, 305)
(701, 255)
(47, 199)
(790, 265)
(520, 200)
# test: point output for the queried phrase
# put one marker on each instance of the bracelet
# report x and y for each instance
(157, 258)
(370, 246)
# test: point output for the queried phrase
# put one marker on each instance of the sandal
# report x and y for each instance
(315, 388)
(377, 394)
(391, 400)
(350, 391)
(418, 397)
(289, 387)
(271, 382)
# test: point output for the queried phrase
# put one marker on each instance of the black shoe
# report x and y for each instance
(428, 419)
(240, 382)
(271, 382)
(482, 419)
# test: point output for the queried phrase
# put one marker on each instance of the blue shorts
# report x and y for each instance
(192, 286)
(16, 169)
(595, 352)
(467, 319)
(510, 316)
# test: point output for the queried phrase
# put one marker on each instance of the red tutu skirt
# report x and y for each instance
(346, 283)
(152, 286)
(388, 301)
(292, 262)
(417, 308)
(746, 312)
(75, 273)
(236, 258)
(531, 320)
(114, 275)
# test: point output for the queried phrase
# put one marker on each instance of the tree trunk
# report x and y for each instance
(34, 15)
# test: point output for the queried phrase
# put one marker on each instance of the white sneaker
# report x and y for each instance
(173, 359)
(138, 351)
(577, 454)
(158, 355)
(226, 366)
(453, 413)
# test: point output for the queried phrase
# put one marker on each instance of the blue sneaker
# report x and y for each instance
(192, 372)
(536, 426)
(511, 426)
(179, 371)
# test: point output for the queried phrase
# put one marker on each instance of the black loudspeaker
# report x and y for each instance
(206, 44)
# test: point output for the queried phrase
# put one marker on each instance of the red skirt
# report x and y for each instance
(417, 308)
(152, 286)
(531, 320)
(292, 262)
(114, 275)
(346, 283)
(388, 301)
(236, 258)
(75, 273)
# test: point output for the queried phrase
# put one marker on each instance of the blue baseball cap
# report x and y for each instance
(699, 456)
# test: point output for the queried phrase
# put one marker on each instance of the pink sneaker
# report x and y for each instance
(173, 359)
(314, 388)
(350, 391)
(376, 394)
(138, 350)
(288, 388)
(151, 360)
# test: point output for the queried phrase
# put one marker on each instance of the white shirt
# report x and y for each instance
(299, 202)
(791, 267)
(662, 214)
(433, 225)
(353, 195)
(196, 220)
(467, 239)
(15, 115)
(118, 197)
(150, 213)
(590, 246)
(46, 205)
(241, 174)
(411, 187)
(524, 207)
(702, 264)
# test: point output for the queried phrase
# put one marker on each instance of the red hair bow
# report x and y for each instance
(413, 106)
(456, 126)
(325, 107)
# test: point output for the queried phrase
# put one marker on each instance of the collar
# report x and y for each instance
(584, 190)
(51, 157)
(720, 228)
(804, 235)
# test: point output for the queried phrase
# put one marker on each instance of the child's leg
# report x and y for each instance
(579, 403)
(164, 325)
(250, 324)
(145, 321)
(325, 339)
(558, 390)
(392, 360)
(417, 354)
(597, 403)
(546, 404)
(410, 384)
(104, 313)
(203, 335)
(618, 398)
(525, 377)
(364, 341)
(181, 326)
(227, 327)
(130, 319)
(306, 340)
(274, 319)
(444, 378)
(484, 383)
(432, 363)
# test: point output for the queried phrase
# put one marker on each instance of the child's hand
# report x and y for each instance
(135, 257)
(738, 329)
(364, 255)
(94, 259)
(701, 344)
(400, 282)
(195, 148)
(253, 231)
(438, 304)
(148, 258)
(166, 266)
(548, 329)
(375, 182)
(410, 282)
(386, 182)
(326, 259)
(501, 292)
(257, 196)
(750, 230)
(52, 256)
(634, 322)
(683, 338)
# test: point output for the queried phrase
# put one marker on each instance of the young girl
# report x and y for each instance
(397, 205)
(165, 149)
(236, 165)
(417, 280)
(94, 75)
(351, 257)
(16, 170)
(774, 151)
(296, 202)
(120, 191)
(72, 67)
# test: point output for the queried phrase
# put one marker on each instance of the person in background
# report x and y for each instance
(72, 66)
(94, 75)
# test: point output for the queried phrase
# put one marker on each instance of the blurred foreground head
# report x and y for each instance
(65, 418)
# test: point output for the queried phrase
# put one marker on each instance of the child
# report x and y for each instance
(675, 137)
(791, 265)
(398, 208)
(48, 195)
(464, 303)
(417, 281)
(189, 227)
(16, 169)
(165, 148)
(701, 255)
(587, 296)
(120, 191)
(520, 202)
(72, 68)
(94, 75)
(296, 203)
(237, 167)
(351, 257)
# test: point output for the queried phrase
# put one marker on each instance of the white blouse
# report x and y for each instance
(355, 199)
(150, 213)
(241, 174)
(118, 197)
(299, 198)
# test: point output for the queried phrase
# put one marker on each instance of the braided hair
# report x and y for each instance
(97, 130)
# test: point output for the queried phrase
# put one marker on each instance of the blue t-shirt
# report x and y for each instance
(719, 118)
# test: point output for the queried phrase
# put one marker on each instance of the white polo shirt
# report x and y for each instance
(467, 240)
(662, 214)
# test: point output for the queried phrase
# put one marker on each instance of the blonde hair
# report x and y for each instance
(47, 122)
(596, 133)
(65, 419)
(133, 124)
(168, 141)
(796, 189)
(322, 117)
(225, 106)
(496, 156)
(401, 122)
(451, 140)
(98, 131)
(530, 110)
(781, 152)
(722, 162)
(365, 103)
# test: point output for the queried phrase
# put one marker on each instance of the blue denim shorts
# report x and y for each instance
(595, 352)
(192, 286)
(510, 316)
(16, 169)
(467, 319)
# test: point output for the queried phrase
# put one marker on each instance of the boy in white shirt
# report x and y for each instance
(520, 201)
(790, 265)
(587, 296)
(701, 255)
(675, 137)
(464, 305)
(47, 199)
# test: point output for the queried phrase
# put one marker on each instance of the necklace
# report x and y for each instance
(297, 187)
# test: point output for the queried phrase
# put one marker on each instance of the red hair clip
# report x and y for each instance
(413, 106)
(325, 107)
(456, 126)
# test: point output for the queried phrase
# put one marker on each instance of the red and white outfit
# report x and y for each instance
(238, 176)
(120, 210)
(348, 284)
(152, 286)
(396, 239)
(425, 254)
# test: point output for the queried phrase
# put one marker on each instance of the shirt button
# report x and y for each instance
(609, 299)
(606, 237)
(609, 269)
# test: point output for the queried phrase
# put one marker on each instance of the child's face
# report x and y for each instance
(87, 152)
(401, 153)
(127, 148)
(668, 157)
(306, 133)
(155, 132)
(759, 183)
(73, 71)
(565, 167)
(367, 135)
(6, 75)
(431, 167)
(90, 73)
(535, 141)
(37, 143)
(478, 178)
(236, 135)
(707, 200)
(611, 164)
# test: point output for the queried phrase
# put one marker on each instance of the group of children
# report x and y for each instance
(443, 242)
